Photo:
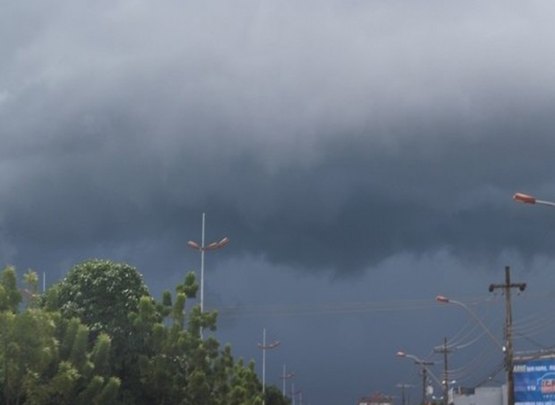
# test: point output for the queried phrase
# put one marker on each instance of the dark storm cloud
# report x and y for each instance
(323, 135)
(320, 135)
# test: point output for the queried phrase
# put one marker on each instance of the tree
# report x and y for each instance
(156, 352)
(46, 359)
(10, 297)
(31, 290)
(183, 368)
(275, 397)
(103, 295)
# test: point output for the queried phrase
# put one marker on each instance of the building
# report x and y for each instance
(376, 399)
(479, 396)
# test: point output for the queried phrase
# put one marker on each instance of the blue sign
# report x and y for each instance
(534, 382)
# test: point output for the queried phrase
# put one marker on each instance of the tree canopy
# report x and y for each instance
(46, 358)
(102, 294)
(99, 337)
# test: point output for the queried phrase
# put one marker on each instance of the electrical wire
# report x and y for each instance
(325, 309)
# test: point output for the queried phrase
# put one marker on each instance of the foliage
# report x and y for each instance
(177, 366)
(102, 294)
(47, 359)
(275, 397)
(10, 297)
(98, 337)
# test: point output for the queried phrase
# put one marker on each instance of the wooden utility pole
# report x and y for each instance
(424, 370)
(424, 384)
(445, 350)
(506, 287)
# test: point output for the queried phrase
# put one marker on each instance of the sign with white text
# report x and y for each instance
(534, 382)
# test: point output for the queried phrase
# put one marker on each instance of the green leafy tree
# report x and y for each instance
(185, 369)
(154, 348)
(31, 290)
(275, 397)
(103, 294)
(45, 358)
(36, 370)
(10, 297)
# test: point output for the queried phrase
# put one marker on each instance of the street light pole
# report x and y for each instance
(202, 248)
(265, 347)
(424, 370)
(295, 393)
(284, 377)
(403, 396)
(444, 300)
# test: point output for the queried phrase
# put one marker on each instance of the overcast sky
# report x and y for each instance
(360, 154)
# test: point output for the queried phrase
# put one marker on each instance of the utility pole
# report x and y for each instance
(506, 287)
(445, 350)
(425, 381)
(424, 370)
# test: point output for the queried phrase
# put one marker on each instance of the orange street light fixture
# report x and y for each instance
(211, 246)
(528, 199)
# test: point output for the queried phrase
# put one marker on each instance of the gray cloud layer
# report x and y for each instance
(330, 134)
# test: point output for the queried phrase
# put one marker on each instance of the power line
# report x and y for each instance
(324, 309)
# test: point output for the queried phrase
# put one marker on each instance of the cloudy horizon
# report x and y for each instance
(337, 144)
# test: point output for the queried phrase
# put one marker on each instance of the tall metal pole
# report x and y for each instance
(403, 393)
(295, 393)
(264, 365)
(508, 330)
(265, 347)
(202, 266)
(284, 377)
(283, 382)
(202, 247)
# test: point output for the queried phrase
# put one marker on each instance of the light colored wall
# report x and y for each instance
(482, 396)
